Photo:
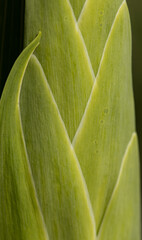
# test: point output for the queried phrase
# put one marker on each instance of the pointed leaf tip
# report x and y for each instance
(39, 36)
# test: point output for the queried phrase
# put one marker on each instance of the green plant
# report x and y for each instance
(68, 147)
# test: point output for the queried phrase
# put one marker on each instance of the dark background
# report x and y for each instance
(11, 44)
(11, 35)
(135, 8)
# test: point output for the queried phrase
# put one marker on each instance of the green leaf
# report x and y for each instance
(58, 179)
(122, 217)
(20, 216)
(63, 56)
(77, 6)
(95, 23)
(108, 121)
(87, 189)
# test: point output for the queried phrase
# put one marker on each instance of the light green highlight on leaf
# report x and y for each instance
(122, 218)
(60, 186)
(108, 122)
(20, 216)
(63, 56)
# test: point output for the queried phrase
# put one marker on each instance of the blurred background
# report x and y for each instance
(135, 9)
(11, 44)
(11, 35)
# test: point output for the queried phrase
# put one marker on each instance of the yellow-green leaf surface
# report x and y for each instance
(60, 186)
(68, 151)
(122, 218)
(20, 215)
(78, 6)
(102, 120)
(108, 121)
(95, 22)
(63, 56)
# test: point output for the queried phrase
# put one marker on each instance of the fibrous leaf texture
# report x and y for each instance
(69, 165)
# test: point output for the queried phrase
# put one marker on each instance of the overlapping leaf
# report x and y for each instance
(63, 57)
(60, 186)
(95, 23)
(59, 100)
(108, 121)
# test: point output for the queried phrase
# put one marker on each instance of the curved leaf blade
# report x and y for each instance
(60, 186)
(20, 216)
